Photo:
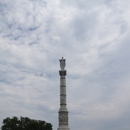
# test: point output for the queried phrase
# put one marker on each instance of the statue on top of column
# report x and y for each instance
(62, 64)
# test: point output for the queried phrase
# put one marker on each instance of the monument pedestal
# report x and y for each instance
(63, 128)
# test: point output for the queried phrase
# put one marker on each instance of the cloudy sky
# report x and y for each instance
(94, 38)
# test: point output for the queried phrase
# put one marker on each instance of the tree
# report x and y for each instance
(24, 123)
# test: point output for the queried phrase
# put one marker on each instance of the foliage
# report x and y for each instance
(25, 124)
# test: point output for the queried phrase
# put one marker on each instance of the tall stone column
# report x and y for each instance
(63, 112)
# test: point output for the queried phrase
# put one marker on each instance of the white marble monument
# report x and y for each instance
(63, 112)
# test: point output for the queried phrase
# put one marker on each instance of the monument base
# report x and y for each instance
(63, 128)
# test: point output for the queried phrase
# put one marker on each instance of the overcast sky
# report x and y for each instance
(94, 38)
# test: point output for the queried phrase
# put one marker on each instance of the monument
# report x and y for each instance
(63, 112)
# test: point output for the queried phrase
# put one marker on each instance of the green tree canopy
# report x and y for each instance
(24, 123)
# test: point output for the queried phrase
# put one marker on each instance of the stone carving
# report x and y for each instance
(63, 118)
(62, 63)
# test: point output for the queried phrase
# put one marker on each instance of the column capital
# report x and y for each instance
(62, 72)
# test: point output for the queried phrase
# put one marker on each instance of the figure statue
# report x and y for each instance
(62, 64)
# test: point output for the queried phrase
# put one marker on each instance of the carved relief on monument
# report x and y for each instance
(63, 118)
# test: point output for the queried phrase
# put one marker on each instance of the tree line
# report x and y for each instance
(24, 123)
